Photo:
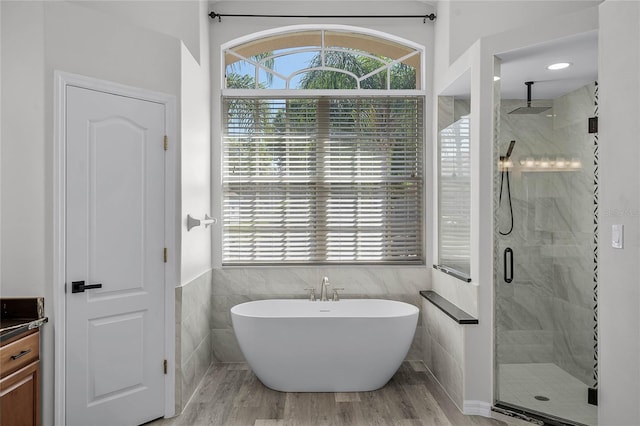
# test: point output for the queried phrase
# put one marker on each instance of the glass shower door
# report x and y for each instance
(546, 262)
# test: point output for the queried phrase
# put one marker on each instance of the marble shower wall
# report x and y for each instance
(546, 313)
(236, 285)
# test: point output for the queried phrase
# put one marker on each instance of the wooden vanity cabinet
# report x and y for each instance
(20, 381)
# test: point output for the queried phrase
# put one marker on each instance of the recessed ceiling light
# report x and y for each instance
(559, 66)
(496, 78)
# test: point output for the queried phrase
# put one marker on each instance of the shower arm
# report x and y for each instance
(529, 84)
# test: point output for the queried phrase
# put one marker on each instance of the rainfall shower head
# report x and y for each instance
(529, 109)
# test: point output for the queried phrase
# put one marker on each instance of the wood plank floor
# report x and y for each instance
(231, 395)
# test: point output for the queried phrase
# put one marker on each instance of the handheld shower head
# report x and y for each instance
(509, 151)
(505, 164)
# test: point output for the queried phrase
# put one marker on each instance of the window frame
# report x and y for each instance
(292, 29)
(332, 93)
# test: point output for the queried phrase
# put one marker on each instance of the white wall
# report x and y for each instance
(176, 18)
(187, 21)
(196, 152)
(24, 218)
(461, 23)
(475, 68)
(479, 58)
(23, 263)
(37, 38)
(619, 291)
(472, 20)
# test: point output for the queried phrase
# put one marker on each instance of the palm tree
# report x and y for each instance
(235, 80)
(367, 116)
(402, 76)
(248, 112)
(323, 79)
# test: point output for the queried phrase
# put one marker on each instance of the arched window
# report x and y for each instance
(323, 134)
(323, 59)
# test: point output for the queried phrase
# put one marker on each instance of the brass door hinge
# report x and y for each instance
(166, 142)
(165, 366)
(165, 255)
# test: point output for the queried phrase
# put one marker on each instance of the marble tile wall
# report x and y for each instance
(236, 285)
(461, 293)
(573, 254)
(546, 313)
(193, 336)
(442, 350)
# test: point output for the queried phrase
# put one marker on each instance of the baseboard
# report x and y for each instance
(476, 408)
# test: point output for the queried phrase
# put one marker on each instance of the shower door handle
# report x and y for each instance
(508, 265)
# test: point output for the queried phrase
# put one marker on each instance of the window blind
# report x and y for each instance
(455, 197)
(323, 180)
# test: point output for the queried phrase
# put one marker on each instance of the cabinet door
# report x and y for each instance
(20, 397)
(19, 354)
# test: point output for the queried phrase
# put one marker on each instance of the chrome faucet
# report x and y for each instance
(323, 291)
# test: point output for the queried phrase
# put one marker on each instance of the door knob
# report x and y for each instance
(79, 287)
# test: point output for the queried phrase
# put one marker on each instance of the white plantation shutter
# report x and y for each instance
(455, 197)
(323, 180)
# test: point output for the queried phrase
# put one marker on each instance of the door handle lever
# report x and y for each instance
(80, 287)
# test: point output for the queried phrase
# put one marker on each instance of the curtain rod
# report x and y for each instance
(214, 15)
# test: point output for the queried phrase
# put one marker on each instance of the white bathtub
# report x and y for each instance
(303, 346)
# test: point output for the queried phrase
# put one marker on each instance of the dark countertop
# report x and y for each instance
(19, 315)
(18, 327)
(452, 311)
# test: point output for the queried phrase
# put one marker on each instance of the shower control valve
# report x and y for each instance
(336, 297)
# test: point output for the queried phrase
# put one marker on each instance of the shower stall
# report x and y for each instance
(546, 257)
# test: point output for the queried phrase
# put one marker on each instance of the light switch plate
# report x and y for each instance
(617, 236)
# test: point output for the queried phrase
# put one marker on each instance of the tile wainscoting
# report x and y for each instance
(193, 336)
(443, 328)
(236, 285)
(204, 333)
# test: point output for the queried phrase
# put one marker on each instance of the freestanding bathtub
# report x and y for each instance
(303, 346)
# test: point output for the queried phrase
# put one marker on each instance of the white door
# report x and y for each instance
(114, 237)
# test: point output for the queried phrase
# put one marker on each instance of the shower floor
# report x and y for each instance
(519, 384)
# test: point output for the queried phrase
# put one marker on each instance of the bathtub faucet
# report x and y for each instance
(323, 291)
